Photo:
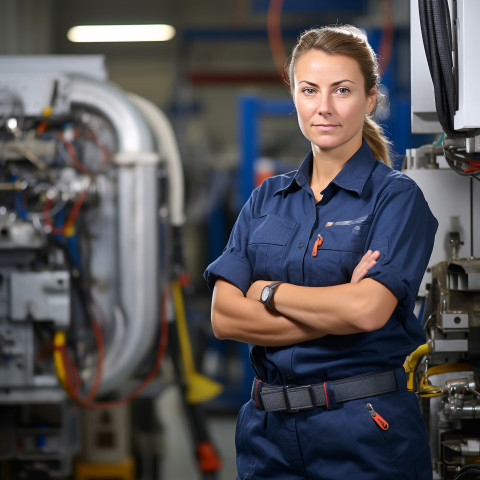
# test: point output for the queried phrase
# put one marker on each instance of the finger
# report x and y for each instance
(370, 264)
(368, 258)
(358, 275)
(365, 264)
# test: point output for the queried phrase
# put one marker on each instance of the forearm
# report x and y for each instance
(235, 317)
(338, 310)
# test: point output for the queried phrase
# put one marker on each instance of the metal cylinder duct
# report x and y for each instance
(455, 412)
(167, 145)
(136, 228)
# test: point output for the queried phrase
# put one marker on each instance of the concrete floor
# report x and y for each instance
(178, 462)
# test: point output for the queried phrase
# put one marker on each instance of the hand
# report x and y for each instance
(365, 264)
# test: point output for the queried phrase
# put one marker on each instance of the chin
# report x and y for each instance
(325, 145)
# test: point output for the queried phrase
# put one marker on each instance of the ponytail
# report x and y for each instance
(378, 143)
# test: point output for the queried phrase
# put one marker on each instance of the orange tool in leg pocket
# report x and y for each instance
(377, 418)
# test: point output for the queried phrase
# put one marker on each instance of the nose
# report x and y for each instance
(324, 106)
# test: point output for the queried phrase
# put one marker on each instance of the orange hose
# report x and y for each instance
(274, 30)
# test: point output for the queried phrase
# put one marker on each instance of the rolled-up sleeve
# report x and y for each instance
(403, 230)
(233, 264)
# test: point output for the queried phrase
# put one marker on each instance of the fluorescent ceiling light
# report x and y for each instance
(121, 33)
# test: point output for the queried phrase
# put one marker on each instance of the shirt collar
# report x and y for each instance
(352, 177)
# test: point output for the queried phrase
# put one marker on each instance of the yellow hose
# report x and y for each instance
(449, 367)
(426, 390)
(185, 346)
(199, 388)
(60, 341)
(411, 363)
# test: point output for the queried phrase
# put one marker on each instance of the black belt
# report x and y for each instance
(292, 398)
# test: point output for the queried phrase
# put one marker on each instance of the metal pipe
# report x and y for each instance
(136, 224)
(167, 145)
(453, 411)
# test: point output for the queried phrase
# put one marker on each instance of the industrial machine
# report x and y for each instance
(91, 206)
(445, 372)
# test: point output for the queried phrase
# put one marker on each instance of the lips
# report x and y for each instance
(325, 127)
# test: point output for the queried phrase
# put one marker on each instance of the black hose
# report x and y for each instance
(422, 9)
(443, 33)
(436, 69)
(437, 39)
(468, 472)
(428, 35)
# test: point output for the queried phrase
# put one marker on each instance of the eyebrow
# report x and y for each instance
(334, 84)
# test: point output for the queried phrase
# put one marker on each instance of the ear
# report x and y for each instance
(371, 100)
(294, 97)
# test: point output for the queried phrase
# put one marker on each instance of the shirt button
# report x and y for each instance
(300, 245)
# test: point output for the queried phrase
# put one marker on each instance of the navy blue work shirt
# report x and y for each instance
(368, 205)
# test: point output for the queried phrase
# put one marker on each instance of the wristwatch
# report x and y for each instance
(267, 294)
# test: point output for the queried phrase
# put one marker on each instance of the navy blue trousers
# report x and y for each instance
(343, 443)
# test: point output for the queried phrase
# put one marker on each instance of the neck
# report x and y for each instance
(325, 168)
(327, 163)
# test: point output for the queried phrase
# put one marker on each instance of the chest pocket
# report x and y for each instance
(346, 235)
(267, 246)
(342, 248)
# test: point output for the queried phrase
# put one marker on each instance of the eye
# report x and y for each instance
(343, 90)
(308, 91)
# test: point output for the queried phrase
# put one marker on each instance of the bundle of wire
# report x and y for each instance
(462, 163)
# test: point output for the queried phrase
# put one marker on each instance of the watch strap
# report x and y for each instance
(272, 286)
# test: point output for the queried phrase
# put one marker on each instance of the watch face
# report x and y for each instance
(265, 293)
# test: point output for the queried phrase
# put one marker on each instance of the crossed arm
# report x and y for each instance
(304, 313)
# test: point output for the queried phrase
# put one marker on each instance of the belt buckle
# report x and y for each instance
(288, 406)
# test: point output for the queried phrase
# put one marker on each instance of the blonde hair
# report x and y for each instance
(347, 40)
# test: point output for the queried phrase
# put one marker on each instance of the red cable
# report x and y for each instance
(386, 40)
(71, 217)
(240, 9)
(106, 154)
(47, 218)
(100, 358)
(161, 351)
(76, 209)
(71, 372)
(274, 30)
(73, 376)
(73, 156)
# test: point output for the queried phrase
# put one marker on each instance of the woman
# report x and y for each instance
(320, 275)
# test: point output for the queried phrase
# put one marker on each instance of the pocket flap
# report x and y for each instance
(271, 229)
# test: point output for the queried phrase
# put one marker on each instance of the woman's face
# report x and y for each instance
(329, 95)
